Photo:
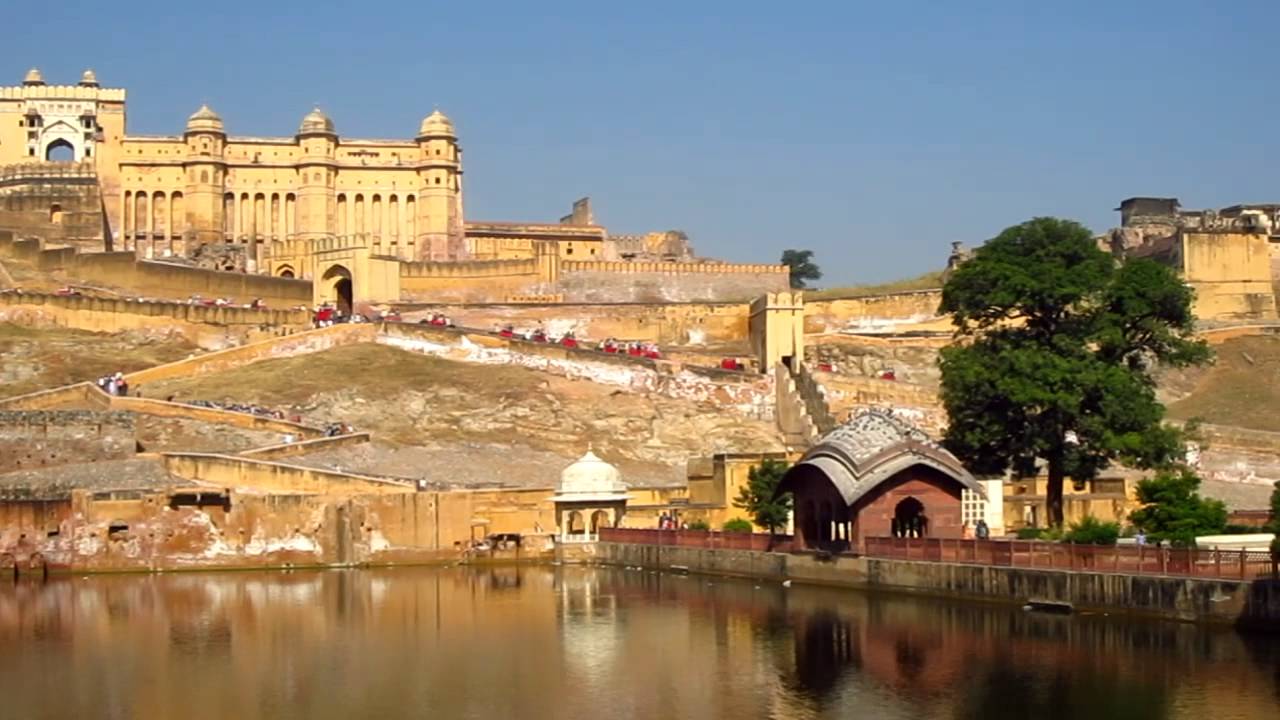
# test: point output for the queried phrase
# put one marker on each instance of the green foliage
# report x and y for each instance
(1172, 509)
(1275, 546)
(802, 267)
(1034, 533)
(758, 499)
(1092, 531)
(698, 524)
(1055, 353)
(1275, 510)
(738, 525)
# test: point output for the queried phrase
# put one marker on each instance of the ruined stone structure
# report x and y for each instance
(1225, 255)
(353, 215)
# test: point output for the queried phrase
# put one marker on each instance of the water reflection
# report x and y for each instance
(546, 642)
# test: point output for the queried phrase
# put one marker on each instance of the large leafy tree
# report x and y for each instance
(759, 496)
(803, 268)
(1055, 344)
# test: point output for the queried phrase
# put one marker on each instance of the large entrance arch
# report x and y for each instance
(338, 289)
(60, 150)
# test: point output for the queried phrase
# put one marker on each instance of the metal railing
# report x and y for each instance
(708, 539)
(1116, 559)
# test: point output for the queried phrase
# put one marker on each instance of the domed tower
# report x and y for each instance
(206, 170)
(439, 222)
(33, 77)
(318, 172)
(89, 79)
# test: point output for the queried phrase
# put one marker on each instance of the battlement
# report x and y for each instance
(469, 269)
(47, 172)
(671, 268)
(62, 92)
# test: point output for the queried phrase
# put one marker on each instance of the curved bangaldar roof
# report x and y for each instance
(871, 448)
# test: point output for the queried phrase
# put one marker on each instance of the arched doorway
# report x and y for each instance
(337, 281)
(574, 523)
(60, 151)
(285, 272)
(599, 519)
(909, 519)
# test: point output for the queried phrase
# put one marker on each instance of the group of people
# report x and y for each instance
(255, 304)
(980, 531)
(437, 319)
(114, 385)
(671, 522)
(608, 345)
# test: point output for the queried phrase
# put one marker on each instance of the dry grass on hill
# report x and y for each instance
(1241, 388)
(411, 399)
(927, 281)
(40, 358)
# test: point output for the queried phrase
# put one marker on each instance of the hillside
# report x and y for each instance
(518, 423)
(1240, 389)
(36, 359)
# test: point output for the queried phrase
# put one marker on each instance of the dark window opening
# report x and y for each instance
(200, 500)
(53, 533)
(117, 528)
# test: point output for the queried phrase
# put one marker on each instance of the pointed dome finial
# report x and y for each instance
(437, 124)
(204, 119)
(89, 78)
(316, 122)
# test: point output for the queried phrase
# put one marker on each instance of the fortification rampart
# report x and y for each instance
(605, 281)
(182, 411)
(156, 279)
(116, 314)
(83, 395)
(246, 474)
(305, 447)
(43, 438)
(287, 346)
(896, 312)
(664, 323)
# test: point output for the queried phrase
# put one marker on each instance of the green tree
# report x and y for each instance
(1275, 510)
(1054, 353)
(758, 499)
(802, 267)
(1172, 509)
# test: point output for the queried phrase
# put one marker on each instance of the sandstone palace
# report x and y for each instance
(367, 220)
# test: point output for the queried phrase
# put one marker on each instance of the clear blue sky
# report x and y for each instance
(873, 133)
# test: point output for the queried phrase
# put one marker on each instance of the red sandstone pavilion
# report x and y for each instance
(876, 476)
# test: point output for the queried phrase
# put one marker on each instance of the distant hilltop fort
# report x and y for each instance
(366, 220)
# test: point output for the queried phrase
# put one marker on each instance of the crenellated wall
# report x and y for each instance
(656, 282)
(478, 281)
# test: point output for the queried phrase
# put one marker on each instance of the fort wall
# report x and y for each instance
(655, 282)
(915, 311)
(304, 447)
(118, 315)
(287, 346)
(156, 279)
(1231, 275)
(475, 281)
(43, 438)
(246, 474)
(663, 323)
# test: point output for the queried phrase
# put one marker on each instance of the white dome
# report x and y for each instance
(590, 476)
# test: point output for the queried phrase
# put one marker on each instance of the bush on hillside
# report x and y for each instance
(738, 525)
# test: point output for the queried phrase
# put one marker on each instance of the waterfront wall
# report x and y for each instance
(1255, 603)
(43, 438)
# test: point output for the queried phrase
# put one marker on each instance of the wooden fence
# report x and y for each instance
(1124, 560)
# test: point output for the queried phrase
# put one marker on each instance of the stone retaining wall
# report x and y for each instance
(1254, 603)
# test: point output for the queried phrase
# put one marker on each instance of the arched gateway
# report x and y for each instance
(876, 476)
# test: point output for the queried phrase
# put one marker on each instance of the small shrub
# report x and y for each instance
(1092, 531)
(1030, 533)
(699, 525)
(1275, 545)
(738, 525)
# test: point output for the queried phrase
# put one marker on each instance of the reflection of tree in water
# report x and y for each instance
(1264, 651)
(1004, 692)
(825, 648)
(910, 657)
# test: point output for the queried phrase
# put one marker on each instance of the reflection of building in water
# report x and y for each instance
(825, 647)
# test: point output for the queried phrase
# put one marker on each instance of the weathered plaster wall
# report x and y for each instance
(664, 323)
(261, 476)
(877, 314)
(41, 438)
(603, 281)
(1231, 274)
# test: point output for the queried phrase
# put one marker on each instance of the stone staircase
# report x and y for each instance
(802, 412)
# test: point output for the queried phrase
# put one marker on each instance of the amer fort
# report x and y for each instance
(225, 351)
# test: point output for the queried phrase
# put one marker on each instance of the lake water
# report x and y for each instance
(582, 643)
